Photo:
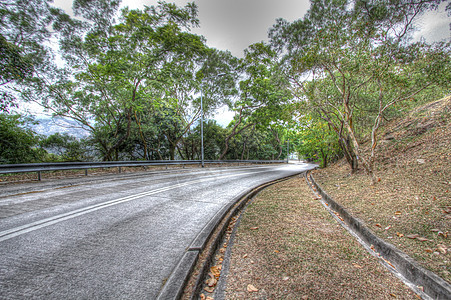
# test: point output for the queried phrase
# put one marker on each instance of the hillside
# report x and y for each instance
(410, 206)
(49, 126)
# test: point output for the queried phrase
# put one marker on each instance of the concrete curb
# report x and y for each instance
(243, 199)
(174, 286)
(432, 285)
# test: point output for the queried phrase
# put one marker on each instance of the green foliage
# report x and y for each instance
(17, 143)
(314, 140)
(136, 82)
(24, 27)
(125, 76)
(351, 63)
(65, 147)
(214, 136)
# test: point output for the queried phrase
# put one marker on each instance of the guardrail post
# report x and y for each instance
(39, 175)
(120, 170)
(166, 167)
(86, 172)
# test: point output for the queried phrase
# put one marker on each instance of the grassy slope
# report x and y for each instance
(413, 196)
(289, 247)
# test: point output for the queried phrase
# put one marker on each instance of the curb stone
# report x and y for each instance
(174, 286)
(433, 286)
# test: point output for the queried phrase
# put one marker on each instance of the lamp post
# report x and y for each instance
(201, 125)
(288, 151)
(202, 120)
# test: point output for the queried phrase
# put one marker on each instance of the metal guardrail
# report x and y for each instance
(42, 167)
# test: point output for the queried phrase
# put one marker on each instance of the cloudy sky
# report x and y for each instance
(235, 24)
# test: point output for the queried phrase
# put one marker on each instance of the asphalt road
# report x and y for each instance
(111, 238)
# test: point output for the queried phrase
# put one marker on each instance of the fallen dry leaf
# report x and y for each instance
(202, 297)
(209, 289)
(253, 228)
(378, 225)
(245, 255)
(442, 248)
(397, 213)
(422, 239)
(215, 270)
(276, 251)
(211, 282)
(399, 234)
(388, 227)
(444, 234)
(412, 236)
(209, 298)
(357, 266)
(251, 288)
(428, 250)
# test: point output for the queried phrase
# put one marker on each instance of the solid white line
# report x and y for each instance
(10, 233)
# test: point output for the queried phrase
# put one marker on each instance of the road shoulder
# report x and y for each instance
(287, 246)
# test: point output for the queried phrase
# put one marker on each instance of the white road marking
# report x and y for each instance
(10, 233)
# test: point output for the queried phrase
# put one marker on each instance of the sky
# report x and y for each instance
(235, 24)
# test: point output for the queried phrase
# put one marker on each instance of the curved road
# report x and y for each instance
(111, 238)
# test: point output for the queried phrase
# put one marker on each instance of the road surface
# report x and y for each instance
(115, 238)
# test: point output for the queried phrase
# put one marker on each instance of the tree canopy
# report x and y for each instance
(135, 79)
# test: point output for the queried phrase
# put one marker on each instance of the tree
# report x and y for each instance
(119, 71)
(352, 58)
(262, 90)
(314, 139)
(25, 29)
(214, 136)
(17, 143)
(65, 147)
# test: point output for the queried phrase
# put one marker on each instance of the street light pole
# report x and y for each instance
(202, 120)
(288, 151)
(201, 125)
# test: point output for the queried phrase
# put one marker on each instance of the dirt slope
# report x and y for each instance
(411, 204)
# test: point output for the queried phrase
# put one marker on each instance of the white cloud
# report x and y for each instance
(433, 26)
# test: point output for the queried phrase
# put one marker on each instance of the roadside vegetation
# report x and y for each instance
(344, 84)
(134, 79)
(410, 207)
(287, 246)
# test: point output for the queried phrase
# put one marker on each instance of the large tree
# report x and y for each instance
(263, 93)
(18, 144)
(118, 76)
(351, 61)
(24, 49)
